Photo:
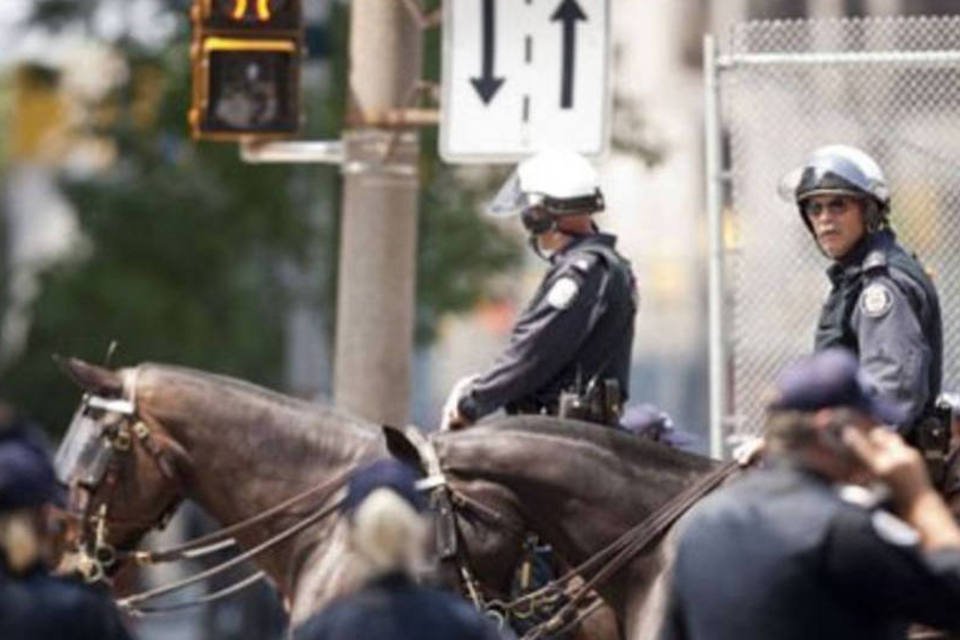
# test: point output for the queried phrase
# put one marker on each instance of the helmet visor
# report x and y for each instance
(827, 174)
(510, 199)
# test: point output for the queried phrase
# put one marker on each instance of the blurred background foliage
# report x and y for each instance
(185, 248)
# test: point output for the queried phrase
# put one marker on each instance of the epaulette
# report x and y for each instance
(875, 261)
(583, 261)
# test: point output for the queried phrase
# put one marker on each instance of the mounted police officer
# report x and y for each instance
(569, 352)
(387, 537)
(790, 551)
(33, 603)
(883, 305)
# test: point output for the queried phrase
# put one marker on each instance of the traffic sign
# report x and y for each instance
(521, 75)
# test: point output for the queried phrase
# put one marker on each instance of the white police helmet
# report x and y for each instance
(837, 169)
(560, 181)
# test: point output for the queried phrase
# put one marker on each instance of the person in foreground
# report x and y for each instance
(387, 535)
(35, 605)
(802, 548)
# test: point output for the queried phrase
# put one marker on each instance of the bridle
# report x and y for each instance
(594, 571)
(93, 454)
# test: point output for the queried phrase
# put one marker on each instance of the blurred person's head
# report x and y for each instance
(28, 486)
(387, 529)
(813, 401)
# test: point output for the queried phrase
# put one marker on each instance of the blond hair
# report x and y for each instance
(19, 540)
(387, 534)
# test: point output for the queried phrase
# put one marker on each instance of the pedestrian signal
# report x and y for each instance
(246, 58)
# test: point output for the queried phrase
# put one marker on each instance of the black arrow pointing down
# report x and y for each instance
(487, 84)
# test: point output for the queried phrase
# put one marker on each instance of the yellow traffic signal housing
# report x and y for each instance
(246, 58)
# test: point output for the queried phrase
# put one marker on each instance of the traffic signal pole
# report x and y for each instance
(377, 273)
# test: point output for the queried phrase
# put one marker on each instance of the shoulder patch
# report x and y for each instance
(876, 300)
(893, 530)
(563, 292)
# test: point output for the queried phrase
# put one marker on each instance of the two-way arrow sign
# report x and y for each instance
(520, 75)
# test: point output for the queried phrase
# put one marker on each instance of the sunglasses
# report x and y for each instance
(834, 206)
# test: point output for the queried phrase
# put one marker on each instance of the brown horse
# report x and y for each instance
(236, 450)
(579, 487)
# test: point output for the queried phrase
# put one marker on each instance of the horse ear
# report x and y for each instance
(91, 377)
(401, 448)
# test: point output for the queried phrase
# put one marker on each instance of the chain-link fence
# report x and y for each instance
(890, 86)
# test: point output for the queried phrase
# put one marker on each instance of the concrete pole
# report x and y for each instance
(375, 299)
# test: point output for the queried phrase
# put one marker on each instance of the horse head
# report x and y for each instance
(123, 471)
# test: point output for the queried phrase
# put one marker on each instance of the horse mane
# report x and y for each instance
(560, 435)
(191, 394)
(244, 388)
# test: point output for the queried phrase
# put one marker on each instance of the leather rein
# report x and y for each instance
(600, 566)
(95, 557)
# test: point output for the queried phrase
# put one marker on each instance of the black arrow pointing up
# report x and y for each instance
(568, 13)
(487, 84)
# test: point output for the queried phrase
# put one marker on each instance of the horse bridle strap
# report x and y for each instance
(224, 538)
(130, 602)
(626, 547)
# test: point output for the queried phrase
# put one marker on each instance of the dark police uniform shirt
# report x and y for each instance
(579, 323)
(780, 554)
(884, 308)
(39, 606)
(394, 608)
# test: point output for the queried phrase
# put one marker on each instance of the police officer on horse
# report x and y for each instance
(569, 352)
(882, 306)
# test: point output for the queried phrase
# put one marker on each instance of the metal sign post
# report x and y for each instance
(520, 75)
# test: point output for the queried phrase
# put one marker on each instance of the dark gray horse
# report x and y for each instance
(579, 487)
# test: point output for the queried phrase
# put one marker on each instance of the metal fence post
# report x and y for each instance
(714, 196)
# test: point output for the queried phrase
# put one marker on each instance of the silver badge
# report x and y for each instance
(563, 293)
(876, 300)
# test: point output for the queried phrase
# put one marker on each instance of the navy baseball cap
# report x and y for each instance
(383, 474)
(831, 378)
(27, 478)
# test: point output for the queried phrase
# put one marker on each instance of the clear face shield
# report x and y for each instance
(510, 199)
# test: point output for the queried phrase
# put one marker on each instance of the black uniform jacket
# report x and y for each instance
(38, 606)
(578, 325)
(884, 307)
(394, 608)
(781, 554)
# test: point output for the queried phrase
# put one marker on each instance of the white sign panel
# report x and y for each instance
(521, 75)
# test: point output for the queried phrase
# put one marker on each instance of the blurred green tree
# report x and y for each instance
(184, 245)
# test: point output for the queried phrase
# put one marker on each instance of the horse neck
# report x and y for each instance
(577, 493)
(250, 449)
